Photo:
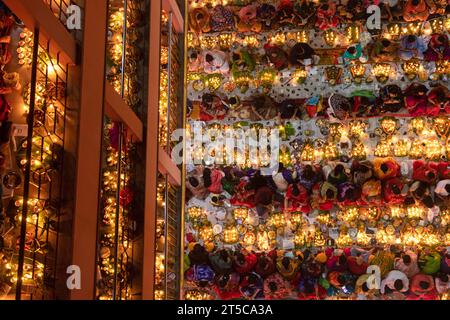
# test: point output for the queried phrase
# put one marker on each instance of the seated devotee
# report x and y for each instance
(395, 281)
(215, 61)
(383, 50)
(288, 267)
(385, 168)
(416, 10)
(407, 263)
(411, 47)
(416, 101)
(439, 98)
(390, 98)
(276, 288)
(438, 48)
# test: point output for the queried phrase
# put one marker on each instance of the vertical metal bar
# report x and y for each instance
(183, 166)
(166, 178)
(26, 188)
(124, 46)
(117, 220)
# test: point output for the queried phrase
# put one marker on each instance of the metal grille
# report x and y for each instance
(126, 50)
(39, 204)
(115, 229)
(167, 241)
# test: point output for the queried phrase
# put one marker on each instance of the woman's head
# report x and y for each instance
(351, 50)
(329, 194)
(285, 262)
(406, 259)
(424, 285)
(386, 43)
(240, 258)
(398, 284)
(411, 38)
(273, 286)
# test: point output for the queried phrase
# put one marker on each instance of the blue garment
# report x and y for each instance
(408, 49)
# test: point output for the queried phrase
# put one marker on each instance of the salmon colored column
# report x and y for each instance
(151, 173)
(89, 147)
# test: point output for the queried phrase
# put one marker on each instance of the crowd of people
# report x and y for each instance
(348, 273)
(307, 187)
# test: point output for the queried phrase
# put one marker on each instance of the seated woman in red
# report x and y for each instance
(244, 261)
(439, 98)
(415, 10)
(242, 196)
(297, 199)
(386, 168)
(425, 171)
(276, 288)
(422, 288)
(438, 48)
(357, 265)
(324, 196)
(227, 286)
(392, 191)
(416, 101)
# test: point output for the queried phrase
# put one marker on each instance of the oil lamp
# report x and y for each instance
(417, 149)
(307, 152)
(418, 125)
(359, 151)
(278, 38)
(330, 37)
(299, 36)
(240, 213)
(357, 128)
(249, 238)
(207, 42)
(437, 25)
(394, 29)
(230, 235)
(411, 69)
(401, 148)
(196, 212)
(441, 126)
(383, 149)
(352, 33)
(388, 125)
(433, 149)
(214, 81)
(226, 40)
(262, 241)
(277, 220)
(358, 71)
(206, 233)
(299, 238)
(414, 212)
(319, 240)
(250, 41)
(300, 76)
(330, 151)
(381, 72)
(443, 67)
(267, 78)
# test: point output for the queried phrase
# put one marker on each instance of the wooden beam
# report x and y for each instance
(117, 109)
(36, 14)
(89, 147)
(151, 172)
(167, 166)
(178, 21)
